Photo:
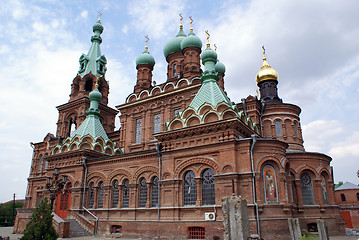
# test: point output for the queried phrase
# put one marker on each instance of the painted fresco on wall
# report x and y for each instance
(270, 184)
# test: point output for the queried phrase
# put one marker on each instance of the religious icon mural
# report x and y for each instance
(270, 184)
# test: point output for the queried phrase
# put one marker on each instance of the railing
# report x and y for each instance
(96, 219)
(84, 222)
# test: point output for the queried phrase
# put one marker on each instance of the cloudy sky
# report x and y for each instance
(313, 45)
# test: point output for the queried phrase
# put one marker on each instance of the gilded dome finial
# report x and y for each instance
(181, 26)
(266, 72)
(190, 22)
(147, 39)
(208, 35)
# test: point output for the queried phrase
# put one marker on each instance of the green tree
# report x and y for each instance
(6, 212)
(40, 226)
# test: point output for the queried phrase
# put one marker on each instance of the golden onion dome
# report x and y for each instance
(266, 72)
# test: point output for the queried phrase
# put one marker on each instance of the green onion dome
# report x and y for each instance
(191, 41)
(208, 55)
(174, 45)
(98, 27)
(145, 58)
(95, 95)
(220, 67)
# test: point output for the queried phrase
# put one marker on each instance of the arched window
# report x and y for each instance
(88, 85)
(342, 196)
(40, 163)
(208, 193)
(154, 192)
(323, 188)
(138, 131)
(296, 128)
(157, 123)
(175, 70)
(278, 128)
(307, 189)
(189, 189)
(115, 194)
(125, 193)
(270, 184)
(143, 193)
(100, 195)
(91, 195)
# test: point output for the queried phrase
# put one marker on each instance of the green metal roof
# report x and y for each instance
(92, 125)
(93, 61)
(210, 92)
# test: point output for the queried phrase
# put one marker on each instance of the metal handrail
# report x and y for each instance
(96, 219)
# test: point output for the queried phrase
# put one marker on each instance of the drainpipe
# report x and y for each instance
(84, 183)
(158, 149)
(263, 104)
(254, 140)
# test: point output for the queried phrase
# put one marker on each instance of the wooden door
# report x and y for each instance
(63, 203)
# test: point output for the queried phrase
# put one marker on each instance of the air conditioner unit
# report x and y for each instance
(210, 216)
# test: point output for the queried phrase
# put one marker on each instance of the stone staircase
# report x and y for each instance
(76, 230)
(352, 232)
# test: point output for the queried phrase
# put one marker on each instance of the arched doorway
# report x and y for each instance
(63, 201)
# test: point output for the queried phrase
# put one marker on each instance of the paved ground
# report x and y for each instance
(7, 232)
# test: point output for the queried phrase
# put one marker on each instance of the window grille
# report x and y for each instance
(190, 189)
(342, 196)
(125, 193)
(91, 195)
(154, 192)
(138, 137)
(157, 123)
(115, 194)
(208, 193)
(143, 193)
(196, 233)
(100, 195)
(307, 189)
(278, 128)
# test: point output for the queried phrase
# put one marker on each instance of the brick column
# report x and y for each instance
(281, 188)
(148, 202)
(95, 200)
(107, 197)
(199, 191)
(330, 190)
(120, 192)
(133, 196)
(299, 194)
(318, 196)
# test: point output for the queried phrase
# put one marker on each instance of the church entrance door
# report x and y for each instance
(63, 203)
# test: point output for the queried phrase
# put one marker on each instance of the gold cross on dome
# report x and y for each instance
(215, 47)
(147, 39)
(99, 15)
(208, 35)
(181, 18)
(190, 21)
(264, 51)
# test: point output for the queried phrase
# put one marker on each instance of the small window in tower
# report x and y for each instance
(342, 196)
(296, 129)
(278, 128)
(175, 70)
(88, 85)
(101, 67)
(138, 136)
(82, 66)
(176, 112)
(157, 123)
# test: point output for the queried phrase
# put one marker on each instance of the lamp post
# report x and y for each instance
(54, 184)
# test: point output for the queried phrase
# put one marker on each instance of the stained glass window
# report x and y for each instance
(138, 137)
(143, 193)
(100, 195)
(307, 189)
(190, 189)
(125, 193)
(115, 194)
(278, 128)
(208, 193)
(91, 195)
(157, 123)
(154, 192)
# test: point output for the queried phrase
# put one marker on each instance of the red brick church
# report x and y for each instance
(182, 146)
